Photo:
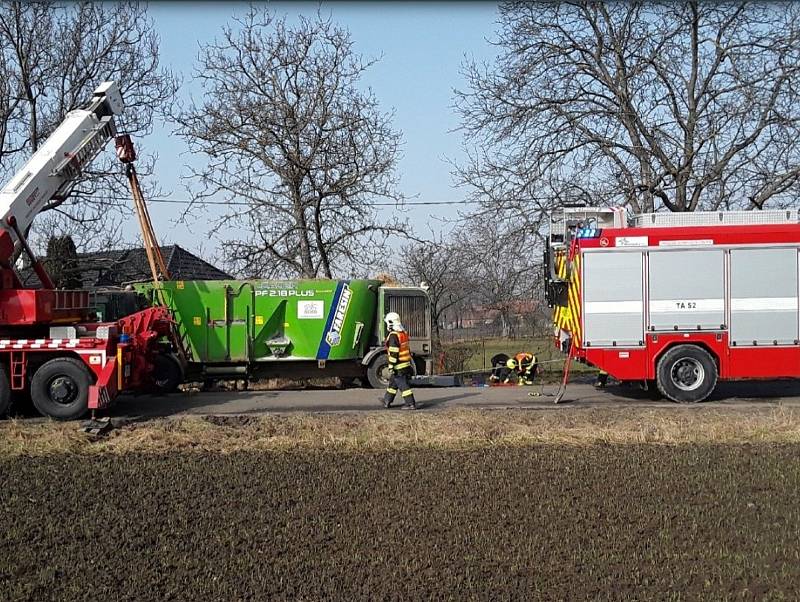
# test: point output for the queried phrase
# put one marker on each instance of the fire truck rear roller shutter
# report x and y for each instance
(687, 289)
(764, 304)
(612, 299)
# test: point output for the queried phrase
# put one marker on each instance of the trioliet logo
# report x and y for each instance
(334, 336)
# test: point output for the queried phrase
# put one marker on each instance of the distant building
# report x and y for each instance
(122, 266)
(482, 316)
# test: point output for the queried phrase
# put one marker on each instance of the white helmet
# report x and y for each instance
(392, 320)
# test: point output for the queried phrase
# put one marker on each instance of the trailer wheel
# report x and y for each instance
(686, 374)
(5, 392)
(378, 372)
(167, 374)
(60, 388)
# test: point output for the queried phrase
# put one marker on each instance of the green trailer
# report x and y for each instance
(292, 328)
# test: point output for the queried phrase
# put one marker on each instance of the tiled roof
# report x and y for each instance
(117, 267)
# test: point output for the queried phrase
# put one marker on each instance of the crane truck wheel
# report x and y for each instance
(60, 388)
(167, 374)
(5, 392)
(686, 374)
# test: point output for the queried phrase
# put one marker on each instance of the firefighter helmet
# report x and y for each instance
(511, 364)
(392, 320)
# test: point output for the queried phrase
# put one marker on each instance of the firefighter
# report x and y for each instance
(511, 366)
(499, 369)
(398, 351)
(602, 379)
(526, 367)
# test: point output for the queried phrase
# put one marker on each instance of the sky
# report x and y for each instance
(422, 46)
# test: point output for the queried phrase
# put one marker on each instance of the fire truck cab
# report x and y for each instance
(677, 300)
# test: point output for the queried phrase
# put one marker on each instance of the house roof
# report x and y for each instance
(117, 267)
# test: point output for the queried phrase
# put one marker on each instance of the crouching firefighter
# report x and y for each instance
(398, 351)
(527, 366)
(499, 368)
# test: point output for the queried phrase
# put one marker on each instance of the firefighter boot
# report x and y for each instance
(409, 403)
(388, 397)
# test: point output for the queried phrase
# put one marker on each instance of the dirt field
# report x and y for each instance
(533, 521)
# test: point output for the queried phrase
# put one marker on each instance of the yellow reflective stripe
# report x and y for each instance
(403, 365)
(569, 318)
(395, 349)
(390, 390)
(574, 296)
(407, 393)
(392, 360)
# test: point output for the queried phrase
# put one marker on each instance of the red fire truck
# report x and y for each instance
(677, 300)
(51, 348)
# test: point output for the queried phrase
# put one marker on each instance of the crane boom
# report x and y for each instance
(50, 338)
(55, 167)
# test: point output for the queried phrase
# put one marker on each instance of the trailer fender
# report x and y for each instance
(374, 352)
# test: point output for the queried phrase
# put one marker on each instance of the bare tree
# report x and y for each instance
(503, 267)
(52, 56)
(676, 105)
(61, 262)
(56, 237)
(444, 268)
(298, 149)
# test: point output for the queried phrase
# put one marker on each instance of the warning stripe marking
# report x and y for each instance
(575, 298)
(569, 318)
(39, 343)
(561, 314)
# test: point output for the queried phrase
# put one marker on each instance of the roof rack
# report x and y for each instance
(715, 218)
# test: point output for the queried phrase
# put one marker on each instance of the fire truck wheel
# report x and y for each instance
(378, 372)
(686, 374)
(5, 392)
(167, 374)
(60, 388)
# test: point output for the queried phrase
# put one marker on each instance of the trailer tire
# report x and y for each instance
(167, 374)
(686, 374)
(378, 372)
(60, 388)
(5, 392)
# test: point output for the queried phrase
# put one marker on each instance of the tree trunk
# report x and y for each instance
(306, 260)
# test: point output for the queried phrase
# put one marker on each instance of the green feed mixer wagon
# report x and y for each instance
(294, 329)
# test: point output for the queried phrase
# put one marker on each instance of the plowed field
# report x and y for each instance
(539, 522)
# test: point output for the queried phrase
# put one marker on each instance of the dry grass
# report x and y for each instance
(459, 429)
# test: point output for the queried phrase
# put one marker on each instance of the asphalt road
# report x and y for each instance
(581, 395)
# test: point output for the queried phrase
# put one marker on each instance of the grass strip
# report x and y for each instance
(451, 429)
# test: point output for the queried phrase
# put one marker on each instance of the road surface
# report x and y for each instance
(578, 396)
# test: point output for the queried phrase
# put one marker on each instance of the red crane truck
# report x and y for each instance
(50, 348)
(677, 300)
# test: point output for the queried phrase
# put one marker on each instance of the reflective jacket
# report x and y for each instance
(398, 350)
(525, 361)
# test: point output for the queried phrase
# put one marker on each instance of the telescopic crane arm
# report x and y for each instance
(52, 171)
